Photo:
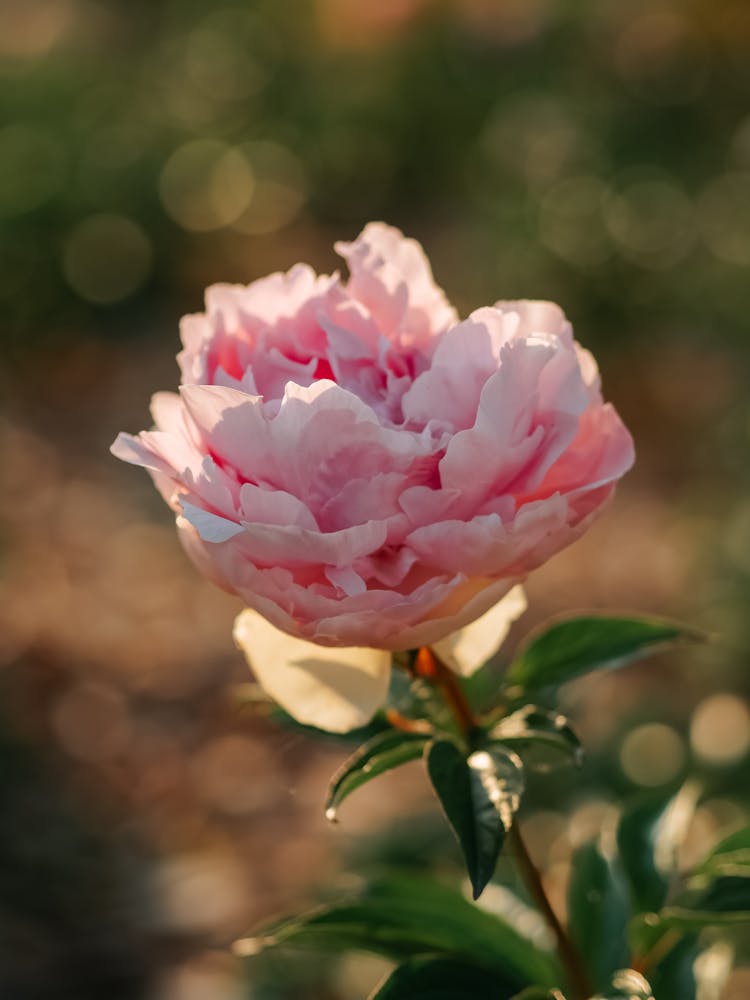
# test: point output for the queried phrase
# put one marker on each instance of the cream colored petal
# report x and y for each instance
(466, 650)
(336, 689)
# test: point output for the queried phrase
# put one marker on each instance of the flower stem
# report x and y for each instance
(431, 668)
(657, 953)
(569, 957)
(399, 721)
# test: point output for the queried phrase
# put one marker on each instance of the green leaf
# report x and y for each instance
(531, 727)
(727, 894)
(725, 901)
(710, 900)
(649, 836)
(730, 857)
(717, 895)
(443, 979)
(402, 917)
(673, 976)
(384, 752)
(479, 795)
(570, 648)
(637, 834)
(598, 915)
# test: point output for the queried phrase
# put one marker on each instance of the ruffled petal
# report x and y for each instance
(391, 276)
(466, 356)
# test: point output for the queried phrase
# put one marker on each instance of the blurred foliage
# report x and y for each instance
(595, 153)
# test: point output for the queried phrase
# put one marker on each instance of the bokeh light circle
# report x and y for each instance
(206, 185)
(720, 729)
(652, 754)
(724, 217)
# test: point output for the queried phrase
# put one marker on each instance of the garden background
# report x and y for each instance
(593, 153)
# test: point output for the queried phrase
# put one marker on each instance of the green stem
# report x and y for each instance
(644, 963)
(569, 957)
(431, 668)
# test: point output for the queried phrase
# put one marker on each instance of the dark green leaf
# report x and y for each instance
(577, 646)
(598, 915)
(636, 841)
(532, 727)
(728, 894)
(384, 752)
(479, 795)
(402, 917)
(673, 976)
(725, 901)
(443, 979)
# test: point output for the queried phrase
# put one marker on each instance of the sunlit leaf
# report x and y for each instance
(479, 795)
(531, 728)
(570, 648)
(402, 917)
(627, 984)
(384, 752)
(443, 979)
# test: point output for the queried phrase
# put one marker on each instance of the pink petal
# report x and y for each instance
(466, 356)
(392, 277)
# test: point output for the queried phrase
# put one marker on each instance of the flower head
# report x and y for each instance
(363, 469)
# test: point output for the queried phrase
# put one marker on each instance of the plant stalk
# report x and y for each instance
(569, 957)
(431, 668)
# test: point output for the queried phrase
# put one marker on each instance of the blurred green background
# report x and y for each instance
(595, 153)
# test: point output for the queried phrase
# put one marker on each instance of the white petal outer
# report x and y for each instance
(468, 649)
(336, 689)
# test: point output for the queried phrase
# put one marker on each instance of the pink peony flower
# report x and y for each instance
(364, 470)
